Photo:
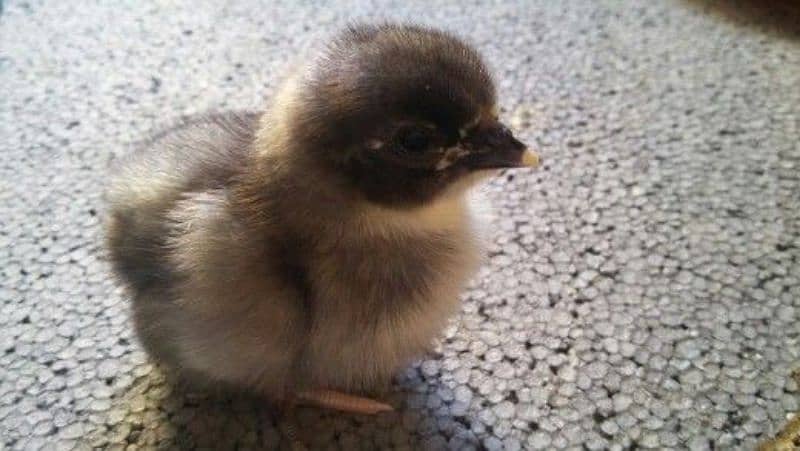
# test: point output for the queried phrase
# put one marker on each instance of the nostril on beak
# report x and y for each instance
(498, 136)
(504, 131)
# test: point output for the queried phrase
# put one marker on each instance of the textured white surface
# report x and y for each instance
(642, 287)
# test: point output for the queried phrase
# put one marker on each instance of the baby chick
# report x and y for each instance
(311, 250)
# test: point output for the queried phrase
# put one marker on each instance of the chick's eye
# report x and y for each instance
(414, 140)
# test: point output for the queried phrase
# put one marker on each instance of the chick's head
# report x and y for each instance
(403, 113)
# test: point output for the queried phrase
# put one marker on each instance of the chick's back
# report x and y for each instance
(197, 155)
(195, 279)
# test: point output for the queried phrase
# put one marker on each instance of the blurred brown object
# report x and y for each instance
(781, 17)
(789, 438)
(786, 440)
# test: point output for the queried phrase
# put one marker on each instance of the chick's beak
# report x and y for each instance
(493, 146)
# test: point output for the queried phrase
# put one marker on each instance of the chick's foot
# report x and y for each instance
(344, 402)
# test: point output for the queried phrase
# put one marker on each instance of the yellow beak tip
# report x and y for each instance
(530, 159)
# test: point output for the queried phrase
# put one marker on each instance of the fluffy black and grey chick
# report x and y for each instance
(317, 247)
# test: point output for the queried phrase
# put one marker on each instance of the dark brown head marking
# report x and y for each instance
(401, 112)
